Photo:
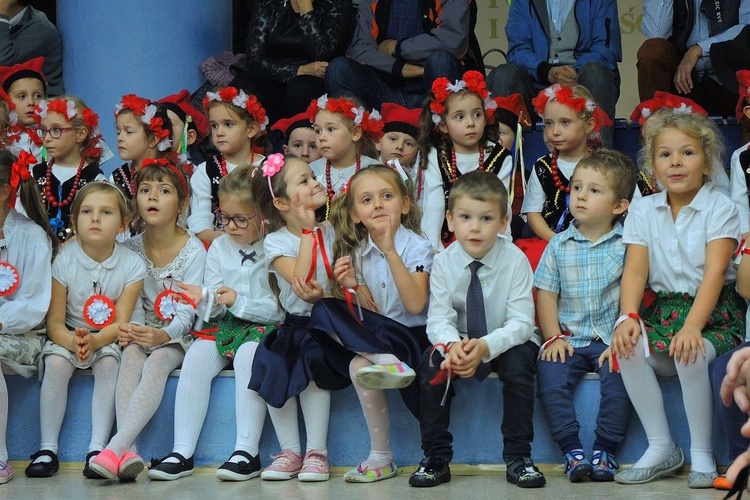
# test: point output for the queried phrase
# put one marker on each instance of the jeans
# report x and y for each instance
(732, 418)
(555, 384)
(515, 368)
(347, 77)
(603, 84)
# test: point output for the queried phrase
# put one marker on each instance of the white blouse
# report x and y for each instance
(339, 176)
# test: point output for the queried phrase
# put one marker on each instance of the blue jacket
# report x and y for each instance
(527, 31)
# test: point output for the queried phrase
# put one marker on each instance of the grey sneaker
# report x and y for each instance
(674, 461)
(701, 479)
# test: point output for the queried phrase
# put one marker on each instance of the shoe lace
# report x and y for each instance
(315, 460)
(283, 459)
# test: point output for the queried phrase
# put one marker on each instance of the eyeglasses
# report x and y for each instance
(54, 132)
(240, 221)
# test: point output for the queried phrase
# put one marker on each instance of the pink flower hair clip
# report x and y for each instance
(271, 167)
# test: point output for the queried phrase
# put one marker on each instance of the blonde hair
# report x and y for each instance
(350, 235)
(100, 187)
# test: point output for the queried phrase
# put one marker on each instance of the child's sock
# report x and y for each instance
(286, 426)
(3, 417)
(570, 444)
(377, 460)
(53, 399)
(103, 401)
(375, 408)
(249, 407)
(129, 376)
(316, 408)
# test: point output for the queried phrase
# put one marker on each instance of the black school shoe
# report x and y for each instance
(524, 473)
(168, 471)
(88, 472)
(432, 471)
(43, 469)
(242, 471)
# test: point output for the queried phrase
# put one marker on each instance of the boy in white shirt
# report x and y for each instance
(480, 319)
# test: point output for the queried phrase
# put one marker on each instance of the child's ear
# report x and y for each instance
(356, 133)
(620, 207)
(192, 136)
(406, 207)
(590, 124)
(442, 127)
(285, 148)
(449, 220)
(4, 193)
(355, 219)
(504, 223)
(378, 147)
(125, 223)
(281, 204)
(746, 111)
(253, 130)
(152, 141)
(81, 135)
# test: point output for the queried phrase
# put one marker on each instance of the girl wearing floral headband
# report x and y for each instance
(154, 343)
(95, 286)
(144, 130)
(344, 132)
(572, 121)
(458, 135)
(297, 254)
(238, 125)
(70, 134)
(25, 281)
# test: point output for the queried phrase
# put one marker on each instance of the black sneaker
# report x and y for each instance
(432, 471)
(242, 471)
(524, 473)
(43, 469)
(168, 471)
(88, 472)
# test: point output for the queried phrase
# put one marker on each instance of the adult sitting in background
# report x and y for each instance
(26, 33)
(677, 56)
(288, 45)
(567, 42)
(398, 50)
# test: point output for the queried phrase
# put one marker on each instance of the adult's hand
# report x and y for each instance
(387, 46)
(302, 6)
(6, 6)
(562, 74)
(315, 68)
(683, 78)
(412, 71)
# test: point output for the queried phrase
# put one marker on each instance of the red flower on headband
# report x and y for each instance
(564, 95)
(158, 129)
(58, 106)
(250, 103)
(228, 93)
(475, 83)
(90, 119)
(472, 81)
(255, 109)
(134, 103)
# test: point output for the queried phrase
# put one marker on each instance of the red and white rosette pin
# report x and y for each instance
(99, 311)
(9, 279)
(165, 305)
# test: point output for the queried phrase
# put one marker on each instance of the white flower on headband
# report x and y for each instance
(213, 96)
(489, 102)
(684, 109)
(13, 117)
(118, 108)
(241, 100)
(645, 112)
(323, 101)
(148, 114)
(164, 144)
(264, 124)
(456, 87)
(590, 106)
(42, 108)
(72, 111)
(375, 115)
(550, 91)
(359, 113)
(436, 118)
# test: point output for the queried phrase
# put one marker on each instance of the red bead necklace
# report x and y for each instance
(454, 170)
(329, 184)
(48, 186)
(223, 164)
(556, 174)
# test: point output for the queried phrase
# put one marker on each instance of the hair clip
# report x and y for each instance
(271, 167)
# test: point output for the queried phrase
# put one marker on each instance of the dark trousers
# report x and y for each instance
(555, 384)
(657, 64)
(281, 100)
(603, 84)
(515, 368)
(732, 418)
(347, 77)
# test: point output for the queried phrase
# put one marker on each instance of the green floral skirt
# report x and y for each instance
(724, 329)
(234, 332)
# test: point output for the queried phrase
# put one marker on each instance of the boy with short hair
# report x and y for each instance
(578, 297)
(480, 319)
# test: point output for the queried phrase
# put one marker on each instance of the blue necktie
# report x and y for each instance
(476, 319)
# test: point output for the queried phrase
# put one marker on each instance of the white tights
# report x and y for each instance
(375, 408)
(316, 408)
(639, 375)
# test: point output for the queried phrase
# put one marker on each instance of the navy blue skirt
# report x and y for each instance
(377, 334)
(287, 360)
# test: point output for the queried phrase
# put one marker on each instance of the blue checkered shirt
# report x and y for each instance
(404, 20)
(586, 276)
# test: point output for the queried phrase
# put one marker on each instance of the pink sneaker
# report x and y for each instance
(6, 472)
(106, 463)
(130, 466)
(285, 466)
(315, 466)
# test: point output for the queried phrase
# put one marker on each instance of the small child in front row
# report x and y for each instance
(289, 362)
(578, 294)
(95, 286)
(679, 241)
(480, 319)
(299, 137)
(399, 142)
(382, 260)
(238, 125)
(155, 341)
(26, 249)
(246, 310)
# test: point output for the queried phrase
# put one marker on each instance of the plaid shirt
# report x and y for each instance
(405, 20)
(586, 276)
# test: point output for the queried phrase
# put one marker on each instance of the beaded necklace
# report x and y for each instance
(48, 186)
(223, 165)
(556, 174)
(329, 184)
(453, 170)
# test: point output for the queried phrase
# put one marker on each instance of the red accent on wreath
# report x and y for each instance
(165, 311)
(99, 311)
(9, 279)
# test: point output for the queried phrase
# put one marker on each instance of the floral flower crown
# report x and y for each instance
(69, 110)
(472, 81)
(564, 95)
(163, 162)
(250, 103)
(146, 110)
(273, 164)
(12, 115)
(370, 121)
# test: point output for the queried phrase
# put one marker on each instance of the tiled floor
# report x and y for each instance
(490, 484)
